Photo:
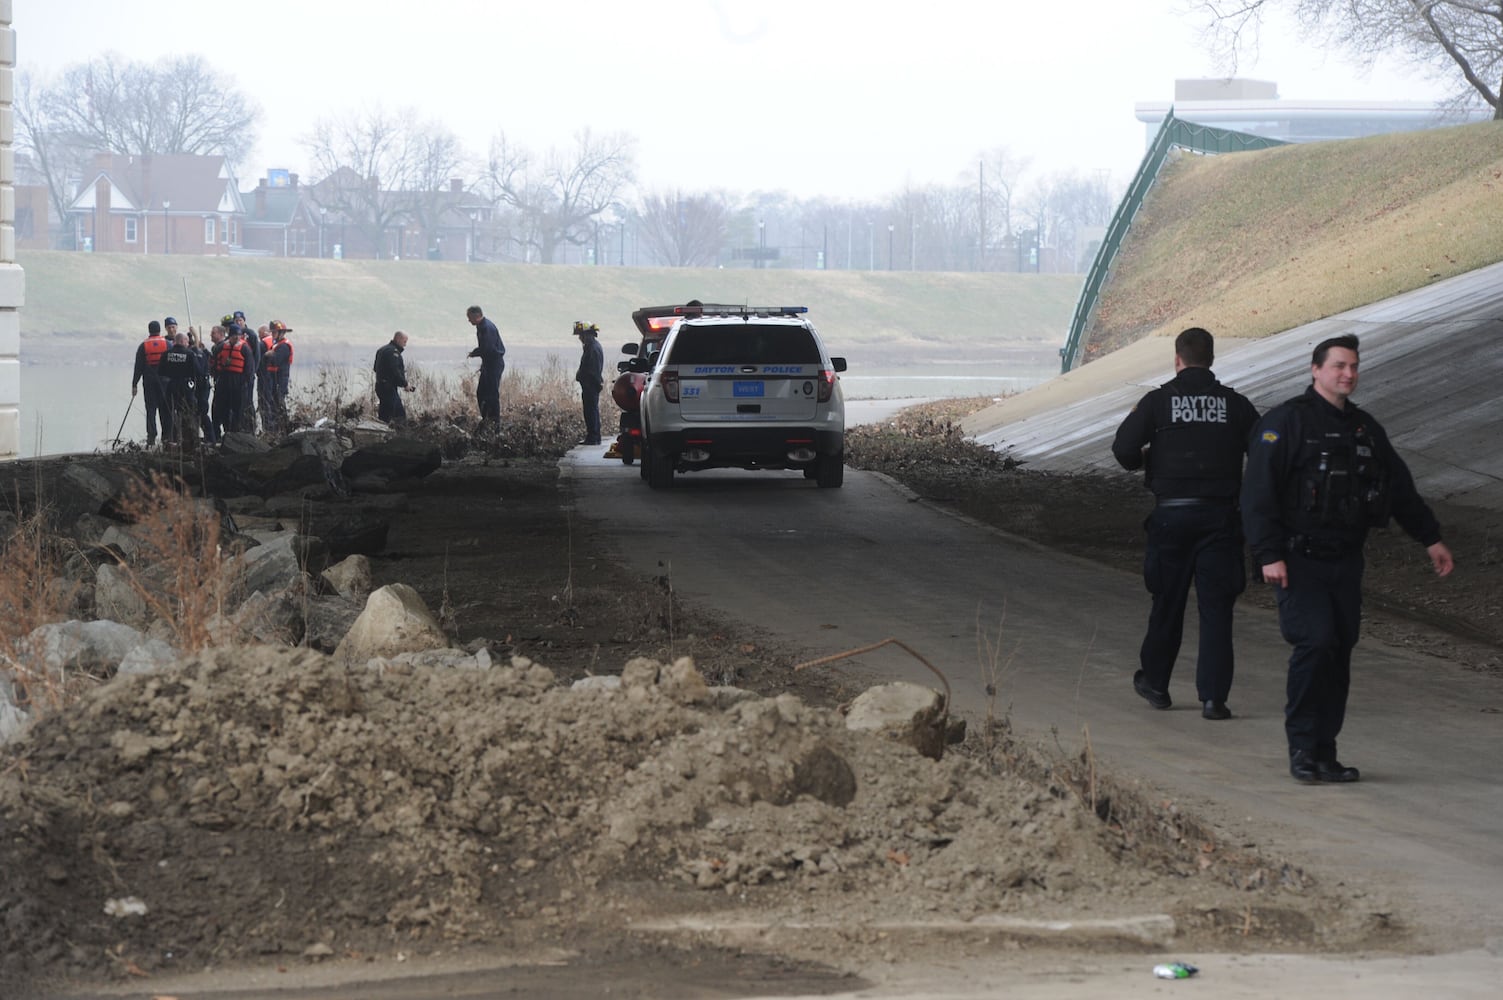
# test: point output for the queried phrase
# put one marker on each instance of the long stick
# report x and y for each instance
(124, 419)
(189, 303)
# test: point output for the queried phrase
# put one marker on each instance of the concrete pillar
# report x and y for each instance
(12, 280)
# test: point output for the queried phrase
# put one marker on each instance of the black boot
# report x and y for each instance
(1302, 766)
(1328, 768)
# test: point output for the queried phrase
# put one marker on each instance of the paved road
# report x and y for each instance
(837, 569)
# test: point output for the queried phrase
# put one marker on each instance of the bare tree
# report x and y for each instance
(998, 176)
(179, 105)
(1462, 40)
(683, 231)
(380, 170)
(560, 197)
(56, 158)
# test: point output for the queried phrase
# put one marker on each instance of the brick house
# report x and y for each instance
(166, 203)
(282, 220)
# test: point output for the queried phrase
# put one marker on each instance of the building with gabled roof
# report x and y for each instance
(158, 203)
(282, 219)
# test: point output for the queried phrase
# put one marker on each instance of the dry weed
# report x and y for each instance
(179, 570)
(34, 592)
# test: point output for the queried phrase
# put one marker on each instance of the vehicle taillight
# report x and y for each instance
(826, 384)
(670, 386)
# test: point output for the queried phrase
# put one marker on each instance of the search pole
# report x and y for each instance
(189, 303)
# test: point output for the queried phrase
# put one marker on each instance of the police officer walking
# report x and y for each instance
(391, 379)
(492, 355)
(1190, 435)
(1320, 473)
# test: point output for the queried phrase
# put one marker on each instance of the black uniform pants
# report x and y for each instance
(389, 403)
(488, 388)
(1319, 614)
(155, 392)
(1200, 544)
(589, 398)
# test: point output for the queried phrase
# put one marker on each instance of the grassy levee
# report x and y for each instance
(1255, 243)
(80, 302)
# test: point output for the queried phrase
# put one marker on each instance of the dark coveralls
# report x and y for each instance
(591, 379)
(148, 356)
(278, 369)
(1317, 478)
(234, 366)
(1196, 430)
(177, 372)
(391, 378)
(492, 355)
(202, 363)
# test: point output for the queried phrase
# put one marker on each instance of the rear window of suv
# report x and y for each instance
(745, 344)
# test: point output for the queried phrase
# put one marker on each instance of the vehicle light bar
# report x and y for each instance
(717, 310)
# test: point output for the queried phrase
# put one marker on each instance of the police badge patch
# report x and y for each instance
(1269, 437)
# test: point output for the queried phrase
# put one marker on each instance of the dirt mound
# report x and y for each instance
(266, 801)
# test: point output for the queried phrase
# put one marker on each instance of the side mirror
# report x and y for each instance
(629, 349)
(623, 366)
(838, 364)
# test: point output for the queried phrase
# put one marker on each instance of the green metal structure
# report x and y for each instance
(1173, 134)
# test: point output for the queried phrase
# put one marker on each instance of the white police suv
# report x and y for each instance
(743, 387)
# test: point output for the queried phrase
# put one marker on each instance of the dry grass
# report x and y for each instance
(33, 592)
(179, 570)
(1252, 244)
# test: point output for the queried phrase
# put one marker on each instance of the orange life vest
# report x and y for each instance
(156, 346)
(230, 360)
(268, 342)
(271, 365)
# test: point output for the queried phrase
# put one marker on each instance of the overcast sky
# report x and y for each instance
(814, 97)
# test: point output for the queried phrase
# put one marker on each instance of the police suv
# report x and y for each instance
(743, 387)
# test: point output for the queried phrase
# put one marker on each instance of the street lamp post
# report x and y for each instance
(323, 217)
(889, 246)
(166, 229)
(761, 243)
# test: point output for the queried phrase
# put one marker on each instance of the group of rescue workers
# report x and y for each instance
(194, 388)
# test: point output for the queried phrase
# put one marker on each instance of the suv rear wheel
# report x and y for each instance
(659, 467)
(831, 471)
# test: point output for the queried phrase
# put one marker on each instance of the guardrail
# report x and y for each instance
(1172, 134)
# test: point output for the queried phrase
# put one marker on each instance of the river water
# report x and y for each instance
(81, 408)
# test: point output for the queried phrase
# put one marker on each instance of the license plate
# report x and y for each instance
(746, 390)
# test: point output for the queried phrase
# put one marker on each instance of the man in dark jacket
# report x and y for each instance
(391, 378)
(492, 355)
(1320, 473)
(177, 372)
(148, 357)
(591, 378)
(1191, 433)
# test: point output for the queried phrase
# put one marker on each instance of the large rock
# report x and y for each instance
(395, 620)
(276, 564)
(906, 713)
(263, 473)
(376, 466)
(350, 577)
(96, 647)
(12, 719)
(116, 597)
(327, 620)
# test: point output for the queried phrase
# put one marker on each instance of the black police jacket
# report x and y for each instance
(1319, 477)
(390, 370)
(1196, 432)
(177, 366)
